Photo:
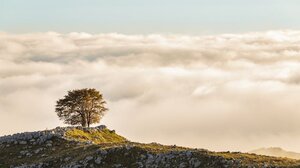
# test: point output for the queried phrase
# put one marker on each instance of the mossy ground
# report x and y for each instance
(248, 159)
(95, 136)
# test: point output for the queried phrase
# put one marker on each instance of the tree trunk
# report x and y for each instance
(83, 120)
(83, 124)
(88, 119)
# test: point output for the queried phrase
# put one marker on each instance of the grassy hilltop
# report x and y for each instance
(100, 147)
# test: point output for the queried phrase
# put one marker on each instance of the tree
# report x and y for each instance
(81, 107)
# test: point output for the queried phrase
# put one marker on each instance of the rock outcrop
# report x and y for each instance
(40, 137)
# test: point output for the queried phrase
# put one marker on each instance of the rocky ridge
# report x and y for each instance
(76, 147)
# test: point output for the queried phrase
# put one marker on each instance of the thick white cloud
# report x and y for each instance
(223, 92)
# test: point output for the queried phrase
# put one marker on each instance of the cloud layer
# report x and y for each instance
(222, 92)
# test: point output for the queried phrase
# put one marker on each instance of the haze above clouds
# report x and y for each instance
(221, 92)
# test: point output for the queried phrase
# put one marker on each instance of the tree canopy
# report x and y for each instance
(81, 107)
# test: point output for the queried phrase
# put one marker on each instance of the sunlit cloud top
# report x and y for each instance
(203, 91)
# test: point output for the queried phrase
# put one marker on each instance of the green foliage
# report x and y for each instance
(81, 107)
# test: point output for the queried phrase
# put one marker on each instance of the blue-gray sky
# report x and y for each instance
(144, 17)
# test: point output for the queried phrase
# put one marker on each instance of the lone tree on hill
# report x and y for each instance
(81, 107)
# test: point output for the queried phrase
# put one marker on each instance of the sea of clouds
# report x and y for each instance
(221, 92)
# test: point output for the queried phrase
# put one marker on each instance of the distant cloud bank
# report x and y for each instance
(222, 92)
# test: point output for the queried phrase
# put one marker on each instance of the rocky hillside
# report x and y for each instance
(75, 147)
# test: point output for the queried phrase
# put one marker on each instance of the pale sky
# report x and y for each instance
(219, 75)
(154, 16)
